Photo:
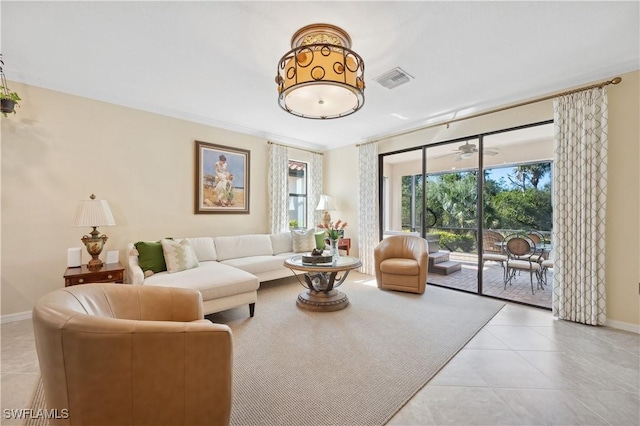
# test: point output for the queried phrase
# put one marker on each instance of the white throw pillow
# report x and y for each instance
(178, 256)
(303, 241)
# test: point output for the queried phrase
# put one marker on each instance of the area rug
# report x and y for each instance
(357, 366)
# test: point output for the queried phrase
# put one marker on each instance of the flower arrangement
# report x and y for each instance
(333, 229)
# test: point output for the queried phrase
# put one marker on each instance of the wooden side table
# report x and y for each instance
(109, 273)
(344, 244)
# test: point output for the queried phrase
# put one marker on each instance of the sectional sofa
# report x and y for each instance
(226, 270)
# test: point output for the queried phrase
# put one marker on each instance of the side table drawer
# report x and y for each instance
(97, 277)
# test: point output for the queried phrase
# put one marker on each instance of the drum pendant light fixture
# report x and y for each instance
(321, 77)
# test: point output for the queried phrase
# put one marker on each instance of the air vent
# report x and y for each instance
(394, 78)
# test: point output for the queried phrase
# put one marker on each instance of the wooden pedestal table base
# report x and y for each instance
(321, 281)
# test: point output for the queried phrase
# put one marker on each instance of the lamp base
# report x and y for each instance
(95, 264)
(326, 218)
(94, 244)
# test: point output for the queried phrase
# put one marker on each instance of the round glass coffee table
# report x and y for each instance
(321, 281)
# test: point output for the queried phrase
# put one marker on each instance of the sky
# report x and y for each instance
(502, 172)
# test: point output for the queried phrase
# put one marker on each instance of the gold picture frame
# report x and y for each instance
(221, 179)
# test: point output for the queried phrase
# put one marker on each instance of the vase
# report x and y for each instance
(335, 253)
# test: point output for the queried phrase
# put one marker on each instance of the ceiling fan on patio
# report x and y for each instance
(466, 151)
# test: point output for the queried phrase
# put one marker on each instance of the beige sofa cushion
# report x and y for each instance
(204, 248)
(281, 243)
(243, 246)
(257, 264)
(213, 279)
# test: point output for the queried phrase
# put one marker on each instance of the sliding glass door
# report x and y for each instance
(451, 212)
(517, 201)
(433, 192)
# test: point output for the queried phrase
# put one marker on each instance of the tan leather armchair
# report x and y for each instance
(401, 263)
(114, 354)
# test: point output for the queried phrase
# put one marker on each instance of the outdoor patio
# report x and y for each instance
(493, 284)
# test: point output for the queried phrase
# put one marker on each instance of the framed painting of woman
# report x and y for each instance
(222, 179)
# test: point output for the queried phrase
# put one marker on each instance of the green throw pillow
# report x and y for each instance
(320, 237)
(151, 256)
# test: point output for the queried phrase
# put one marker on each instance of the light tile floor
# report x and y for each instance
(523, 367)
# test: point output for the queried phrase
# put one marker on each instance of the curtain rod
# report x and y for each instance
(294, 147)
(365, 143)
(615, 80)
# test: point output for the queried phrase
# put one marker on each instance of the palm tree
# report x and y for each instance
(530, 172)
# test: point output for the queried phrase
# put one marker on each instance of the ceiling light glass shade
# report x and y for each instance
(466, 155)
(321, 77)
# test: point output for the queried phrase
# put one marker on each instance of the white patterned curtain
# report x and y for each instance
(278, 187)
(580, 195)
(368, 205)
(314, 191)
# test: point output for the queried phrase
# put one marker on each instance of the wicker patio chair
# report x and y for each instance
(520, 250)
(546, 264)
(538, 239)
(492, 247)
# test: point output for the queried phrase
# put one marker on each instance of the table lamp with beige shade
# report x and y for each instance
(326, 204)
(94, 213)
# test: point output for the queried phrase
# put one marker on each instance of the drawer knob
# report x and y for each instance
(109, 276)
(81, 280)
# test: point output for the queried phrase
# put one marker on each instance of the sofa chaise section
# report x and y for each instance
(230, 269)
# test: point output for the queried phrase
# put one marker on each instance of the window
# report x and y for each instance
(297, 194)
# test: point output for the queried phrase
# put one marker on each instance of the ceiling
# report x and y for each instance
(215, 62)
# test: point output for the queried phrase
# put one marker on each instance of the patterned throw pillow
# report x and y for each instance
(179, 256)
(303, 241)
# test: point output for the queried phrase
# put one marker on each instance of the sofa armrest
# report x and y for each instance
(135, 275)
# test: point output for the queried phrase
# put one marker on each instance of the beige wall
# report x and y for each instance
(623, 201)
(60, 148)
(623, 209)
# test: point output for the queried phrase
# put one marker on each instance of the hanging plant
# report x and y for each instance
(8, 99)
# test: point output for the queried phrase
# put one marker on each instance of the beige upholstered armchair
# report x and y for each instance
(114, 354)
(401, 263)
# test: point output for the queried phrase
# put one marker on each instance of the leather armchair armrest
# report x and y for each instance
(184, 366)
(147, 303)
(180, 304)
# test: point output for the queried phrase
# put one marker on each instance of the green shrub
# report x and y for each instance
(466, 242)
(448, 240)
(453, 242)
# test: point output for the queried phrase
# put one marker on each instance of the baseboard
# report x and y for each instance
(15, 317)
(634, 328)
